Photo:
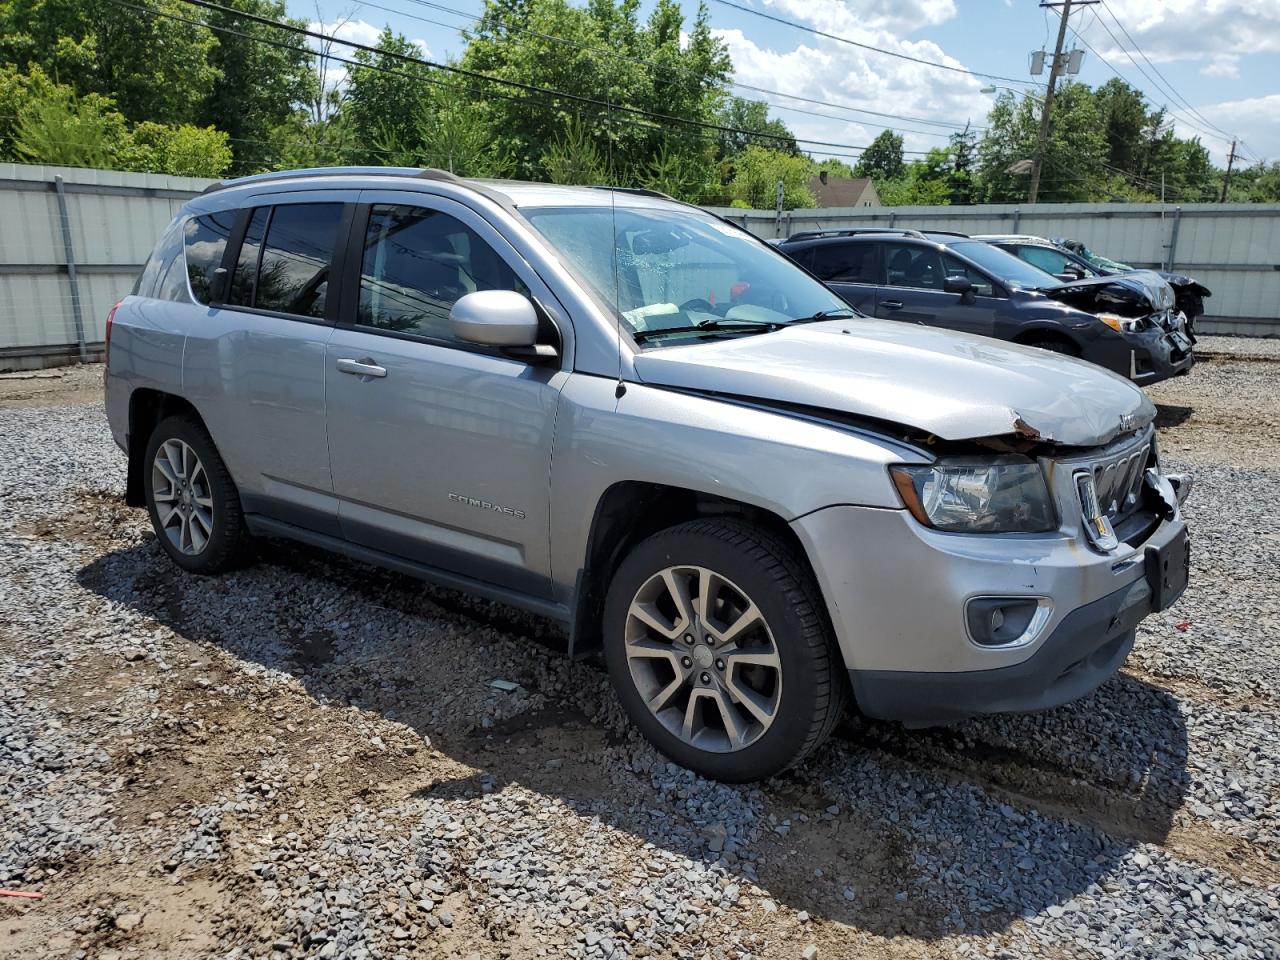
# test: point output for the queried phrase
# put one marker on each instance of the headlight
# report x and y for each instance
(1005, 495)
(1122, 324)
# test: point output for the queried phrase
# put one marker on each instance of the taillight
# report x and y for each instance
(106, 346)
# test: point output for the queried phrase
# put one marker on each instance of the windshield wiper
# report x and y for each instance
(746, 326)
(821, 315)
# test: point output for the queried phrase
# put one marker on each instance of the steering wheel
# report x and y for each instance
(698, 303)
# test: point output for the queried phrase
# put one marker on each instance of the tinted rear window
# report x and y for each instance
(206, 241)
(293, 275)
(244, 279)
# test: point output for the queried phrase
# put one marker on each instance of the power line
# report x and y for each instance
(639, 116)
(1121, 47)
(517, 84)
(1170, 88)
(873, 49)
(553, 38)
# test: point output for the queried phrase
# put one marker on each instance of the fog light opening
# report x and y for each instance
(1006, 621)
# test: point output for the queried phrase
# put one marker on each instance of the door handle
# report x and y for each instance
(361, 368)
(891, 304)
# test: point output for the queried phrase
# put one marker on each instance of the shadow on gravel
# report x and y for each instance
(897, 832)
(1172, 415)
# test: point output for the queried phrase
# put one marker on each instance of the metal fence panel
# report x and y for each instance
(114, 219)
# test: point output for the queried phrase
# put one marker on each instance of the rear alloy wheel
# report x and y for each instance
(184, 502)
(720, 651)
(194, 505)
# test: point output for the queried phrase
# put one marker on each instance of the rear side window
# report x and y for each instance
(205, 239)
(162, 258)
(287, 269)
(845, 262)
(245, 277)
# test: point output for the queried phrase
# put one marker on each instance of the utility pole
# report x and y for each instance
(1046, 114)
(1226, 179)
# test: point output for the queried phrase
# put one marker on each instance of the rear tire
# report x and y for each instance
(192, 501)
(737, 689)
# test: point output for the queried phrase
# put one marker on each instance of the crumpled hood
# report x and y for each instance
(952, 385)
(1139, 293)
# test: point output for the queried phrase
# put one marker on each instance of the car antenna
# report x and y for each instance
(620, 390)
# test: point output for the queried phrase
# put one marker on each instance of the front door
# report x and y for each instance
(440, 450)
(913, 292)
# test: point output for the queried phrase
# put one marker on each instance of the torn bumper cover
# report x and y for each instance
(1150, 338)
(902, 623)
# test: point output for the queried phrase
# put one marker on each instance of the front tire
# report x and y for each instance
(192, 501)
(720, 651)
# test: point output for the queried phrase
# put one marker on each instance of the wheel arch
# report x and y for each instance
(147, 408)
(630, 511)
(1040, 333)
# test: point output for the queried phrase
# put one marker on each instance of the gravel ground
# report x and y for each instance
(306, 758)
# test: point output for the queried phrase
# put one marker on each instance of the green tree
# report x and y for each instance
(456, 137)
(882, 160)
(575, 158)
(385, 97)
(153, 67)
(59, 128)
(258, 85)
(184, 150)
(752, 116)
(1073, 168)
(606, 54)
(756, 175)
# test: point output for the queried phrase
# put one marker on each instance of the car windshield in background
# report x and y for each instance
(1005, 267)
(1104, 263)
(683, 272)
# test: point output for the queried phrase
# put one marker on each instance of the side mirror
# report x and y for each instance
(957, 284)
(499, 318)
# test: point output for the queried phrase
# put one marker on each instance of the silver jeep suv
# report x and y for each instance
(630, 416)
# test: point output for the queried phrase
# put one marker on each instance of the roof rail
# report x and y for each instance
(949, 233)
(854, 231)
(637, 191)
(421, 173)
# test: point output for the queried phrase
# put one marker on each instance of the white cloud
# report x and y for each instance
(357, 31)
(1222, 66)
(1254, 117)
(833, 72)
(1172, 30)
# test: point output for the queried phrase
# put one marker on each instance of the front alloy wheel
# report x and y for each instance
(720, 650)
(703, 658)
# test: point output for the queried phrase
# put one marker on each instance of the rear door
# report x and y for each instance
(850, 268)
(440, 450)
(255, 366)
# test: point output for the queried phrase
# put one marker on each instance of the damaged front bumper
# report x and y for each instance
(1162, 350)
(913, 616)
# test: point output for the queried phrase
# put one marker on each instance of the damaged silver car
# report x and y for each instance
(631, 417)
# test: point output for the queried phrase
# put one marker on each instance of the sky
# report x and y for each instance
(1214, 63)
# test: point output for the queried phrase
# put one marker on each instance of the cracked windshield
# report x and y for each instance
(680, 276)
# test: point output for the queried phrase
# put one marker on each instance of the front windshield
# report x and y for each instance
(1104, 263)
(677, 269)
(1004, 266)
